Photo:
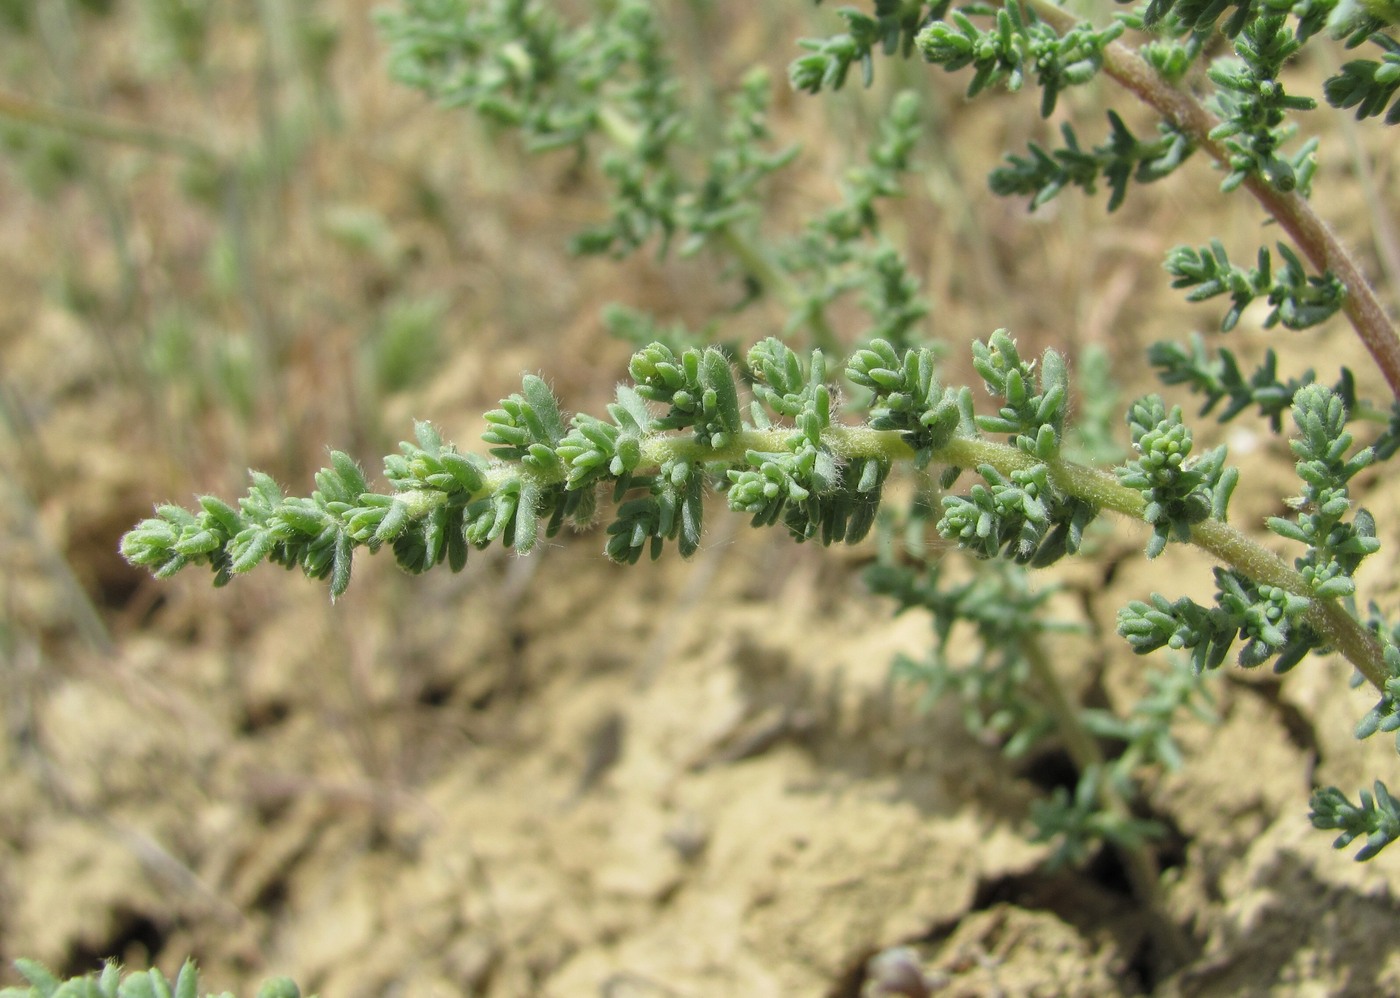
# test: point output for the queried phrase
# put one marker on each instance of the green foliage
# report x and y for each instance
(1022, 515)
(1385, 715)
(1376, 816)
(785, 434)
(603, 82)
(1273, 621)
(808, 483)
(521, 65)
(1035, 402)
(906, 397)
(1179, 493)
(1270, 619)
(677, 175)
(1018, 42)
(1368, 85)
(1326, 464)
(1199, 15)
(1300, 300)
(1253, 106)
(111, 982)
(1077, 822)
(892, 29)
(1004, 696)
(841, 250)
(1145, 734)
(1219, 379)
(993, 686)
(1123, 159)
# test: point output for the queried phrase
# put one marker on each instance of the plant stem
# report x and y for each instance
(1291, 210)
(1139, 860)
(1230, 546)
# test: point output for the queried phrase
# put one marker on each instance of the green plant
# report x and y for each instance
(111, 982)
(801, 438)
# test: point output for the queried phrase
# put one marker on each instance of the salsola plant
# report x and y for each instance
(807, 427)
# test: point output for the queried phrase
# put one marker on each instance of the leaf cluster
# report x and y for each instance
(1018, 43)
(599, 82)
(523, 65)
(1376, 816)
(1199, 16)
(1218, 378)
(442, 503)
(1254, 106)
(1299, 299)
(1018, 46)
(604, 87)
(1077, 822)
(1327, 464)
(1122, 159)
(841, 250)
(680, 422)
(1023, 514)
(1385, 715)
(1145, 732)
(993, 685)
(653, 195)
(549, 468)
(906, 396)
(1273, 621)
(1179, 492)
(1002, 696)
(892, 28)
(1369, 85)
(1270, 619)
(816, 492)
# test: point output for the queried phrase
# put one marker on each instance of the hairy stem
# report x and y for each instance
(1230, 546)
(1291, 210)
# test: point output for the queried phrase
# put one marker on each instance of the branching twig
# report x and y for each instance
(1291, 209)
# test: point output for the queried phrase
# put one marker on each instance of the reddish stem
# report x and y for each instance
(1291, 210)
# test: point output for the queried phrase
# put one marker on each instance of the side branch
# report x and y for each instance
(1291, 210)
